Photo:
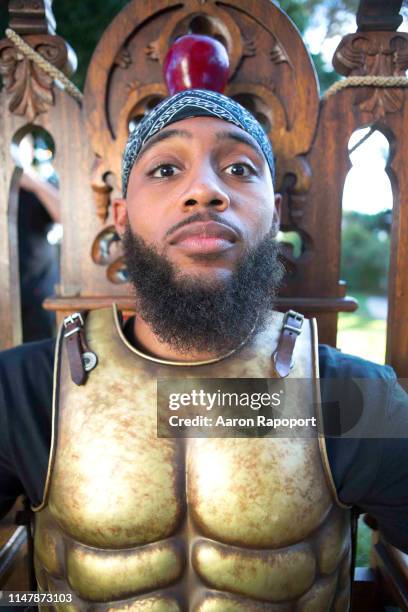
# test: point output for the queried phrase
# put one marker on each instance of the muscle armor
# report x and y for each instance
(131, 521)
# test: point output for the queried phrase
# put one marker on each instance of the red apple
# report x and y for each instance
(195, 61)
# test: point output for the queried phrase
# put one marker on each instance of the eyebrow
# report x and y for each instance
(241, 138)
(224, 135)
(160, 136)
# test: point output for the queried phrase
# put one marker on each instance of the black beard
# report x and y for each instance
(190, 314)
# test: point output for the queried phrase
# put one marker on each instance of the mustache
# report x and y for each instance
(210, 216)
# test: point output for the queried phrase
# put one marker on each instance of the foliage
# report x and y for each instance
(362, 332)
(3, 17)
(364, 536)
(303, 11)
(298, 11)
(366, 251)
(73, 24)
(326, 76)
(306, 13)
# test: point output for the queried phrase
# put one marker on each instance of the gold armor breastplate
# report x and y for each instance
(130, 521)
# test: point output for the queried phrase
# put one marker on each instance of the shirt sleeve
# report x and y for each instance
(25, 421)
(371, 472)
(10, 486)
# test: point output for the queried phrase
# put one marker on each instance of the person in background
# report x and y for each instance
(38, 211)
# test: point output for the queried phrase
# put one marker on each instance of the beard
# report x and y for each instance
(195, 314)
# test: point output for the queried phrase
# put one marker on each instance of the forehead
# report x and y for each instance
(204, 129)
(207, 124)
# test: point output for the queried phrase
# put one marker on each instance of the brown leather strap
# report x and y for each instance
(282, 357)
(81, 358)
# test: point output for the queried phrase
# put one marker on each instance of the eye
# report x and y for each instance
(164, 171)
(239, 169)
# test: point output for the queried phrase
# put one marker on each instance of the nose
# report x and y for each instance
(205, 191)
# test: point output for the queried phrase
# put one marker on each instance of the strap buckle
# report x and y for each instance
(81, 359)
(72, 318)
(297, 317)
(75, 320)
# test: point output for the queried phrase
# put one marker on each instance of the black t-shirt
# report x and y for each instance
(370, 474)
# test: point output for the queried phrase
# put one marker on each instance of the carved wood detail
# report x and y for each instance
(123, 59)
(278, 54)
(249, 47)
(101, 189)
(374, 54)
(106, 252)
(211, 20)
(31, 17)
(379, 16)
(30, 88)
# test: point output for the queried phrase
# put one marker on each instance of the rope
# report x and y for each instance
(44, 64)
(366, 81)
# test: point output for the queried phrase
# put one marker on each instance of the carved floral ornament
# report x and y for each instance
(29, 87)
(210, 20)
(383, 54)
(213, 21)
(106, 252)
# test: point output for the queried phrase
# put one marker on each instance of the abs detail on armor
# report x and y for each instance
(130, 521)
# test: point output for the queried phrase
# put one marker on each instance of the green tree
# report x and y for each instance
(73, 24)
(304, 11)
(366, 251)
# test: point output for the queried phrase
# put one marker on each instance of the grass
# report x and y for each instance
(363, 544)
(359, 333)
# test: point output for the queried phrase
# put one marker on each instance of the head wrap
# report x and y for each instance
(192, 103)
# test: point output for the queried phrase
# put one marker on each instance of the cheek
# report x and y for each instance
(257, 213)
(142, 226)
(265, 207)
(140, 206)
(150, 217)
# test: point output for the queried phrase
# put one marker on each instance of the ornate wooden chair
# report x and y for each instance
(273, 76)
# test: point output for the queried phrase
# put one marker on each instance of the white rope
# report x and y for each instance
(366, 81)
(44, 64)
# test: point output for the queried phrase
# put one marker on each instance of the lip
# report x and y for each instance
(204, 237)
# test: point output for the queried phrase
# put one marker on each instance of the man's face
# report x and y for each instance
(201, 194)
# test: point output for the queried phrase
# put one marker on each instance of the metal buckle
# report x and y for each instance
(74, 319)
(294, 315)
(76, 316)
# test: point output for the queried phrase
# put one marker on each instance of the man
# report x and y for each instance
(126, 519)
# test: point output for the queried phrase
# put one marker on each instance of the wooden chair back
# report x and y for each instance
(272, 74)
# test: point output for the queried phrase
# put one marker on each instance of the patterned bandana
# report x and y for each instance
(192, 103)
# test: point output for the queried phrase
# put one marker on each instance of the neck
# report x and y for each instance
(149, 343)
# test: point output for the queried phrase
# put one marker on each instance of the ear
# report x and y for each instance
(119, 214)
(277, 214)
